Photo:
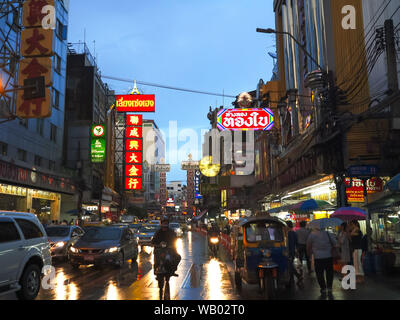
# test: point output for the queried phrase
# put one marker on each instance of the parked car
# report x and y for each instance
(146, 234)
(61, 238)
(157, 222)
(177, 228)
(24, 251)
(104, 245)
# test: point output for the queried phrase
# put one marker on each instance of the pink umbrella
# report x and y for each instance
(349, 213)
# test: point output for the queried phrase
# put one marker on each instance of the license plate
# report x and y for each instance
(88, 258)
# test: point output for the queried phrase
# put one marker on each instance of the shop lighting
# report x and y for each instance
(311, 187)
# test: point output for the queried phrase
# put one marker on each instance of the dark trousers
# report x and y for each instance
(302, 250)
(324, 267)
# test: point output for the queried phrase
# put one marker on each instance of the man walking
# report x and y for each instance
(302, 235)
(292, 241)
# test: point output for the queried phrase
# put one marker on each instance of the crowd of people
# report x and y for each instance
(347, 248)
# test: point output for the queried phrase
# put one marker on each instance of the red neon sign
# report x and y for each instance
(134, 120)
(134, 132)
(134, 145)
(133, 157)
(136, 103)
(133, 183)
(133, 170)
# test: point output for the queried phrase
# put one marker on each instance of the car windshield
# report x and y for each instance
(262, 230)
(102, 234)
(174, 225)
(57, 231)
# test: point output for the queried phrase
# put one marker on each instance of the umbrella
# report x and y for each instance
(349, 213)
(325, 223)
(310, 205)
(394, 183)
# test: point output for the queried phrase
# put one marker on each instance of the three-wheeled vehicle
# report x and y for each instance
(260, 254)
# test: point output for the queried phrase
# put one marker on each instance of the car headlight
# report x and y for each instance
(74, 250)
(214, 240)
(179, 230)
(60, 244)
(111, 250)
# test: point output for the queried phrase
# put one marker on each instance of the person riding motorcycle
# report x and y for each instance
(214, 230)
(165, 234)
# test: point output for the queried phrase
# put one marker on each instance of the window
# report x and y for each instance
(3, 148)
(29, 229)
(56, 99)
(22, 155)
(39, 126)
(38, 161)
(264, 231)
(8, 232)
(58, 63)
(53, 133)
(52, 165)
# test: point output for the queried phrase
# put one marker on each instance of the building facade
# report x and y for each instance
(31, 149)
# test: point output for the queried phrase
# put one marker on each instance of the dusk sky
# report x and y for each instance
(208, 45)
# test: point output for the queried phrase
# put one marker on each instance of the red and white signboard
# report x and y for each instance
(134, 132)
(355, 192)
(135, 103)
(245, 119)
(134, 145)
(134, 120)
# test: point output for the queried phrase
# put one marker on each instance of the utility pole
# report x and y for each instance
(391, 63)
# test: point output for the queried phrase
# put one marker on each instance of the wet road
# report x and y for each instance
(199, 278)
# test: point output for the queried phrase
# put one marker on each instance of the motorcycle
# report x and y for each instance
(163, 271)
(213, 242)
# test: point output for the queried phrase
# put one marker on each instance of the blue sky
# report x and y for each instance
(208, 45)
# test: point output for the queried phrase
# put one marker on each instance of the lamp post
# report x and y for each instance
(269, 30)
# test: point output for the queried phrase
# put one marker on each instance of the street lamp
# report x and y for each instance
(269, 30)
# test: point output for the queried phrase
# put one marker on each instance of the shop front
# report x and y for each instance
(27, 190)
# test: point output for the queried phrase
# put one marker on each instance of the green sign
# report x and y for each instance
(98, 143)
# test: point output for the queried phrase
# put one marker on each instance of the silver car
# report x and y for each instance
(24, 251)
(61, 238)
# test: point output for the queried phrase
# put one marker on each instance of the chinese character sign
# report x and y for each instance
(133, 152)
(35, 68)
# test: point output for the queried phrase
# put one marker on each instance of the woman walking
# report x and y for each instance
(356, 249)
(344, 245)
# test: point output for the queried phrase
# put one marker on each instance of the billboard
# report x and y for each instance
(355, 191)
(162, 167)
(245, 119)
(135, 103)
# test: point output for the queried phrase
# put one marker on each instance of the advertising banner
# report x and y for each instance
(135, 103)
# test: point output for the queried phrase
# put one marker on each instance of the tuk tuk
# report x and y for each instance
(260, 254)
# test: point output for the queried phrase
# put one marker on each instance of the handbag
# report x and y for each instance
(334, 251)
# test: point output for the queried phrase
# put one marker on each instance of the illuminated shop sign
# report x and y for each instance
(245, 119)
(133, 152)
(135, 103)
(355, 192)
(98, 143)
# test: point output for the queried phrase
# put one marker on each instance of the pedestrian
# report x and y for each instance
(302, 235)
(320, 244)
(344, 245)
(356, 249)
(292, 242)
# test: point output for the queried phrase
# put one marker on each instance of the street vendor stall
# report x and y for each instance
(384, 209)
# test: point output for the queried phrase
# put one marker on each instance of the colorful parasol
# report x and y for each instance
(349, 213)
(310, 205)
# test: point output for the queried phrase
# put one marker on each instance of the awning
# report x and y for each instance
(384, 200)
(280, 209)
(196, 218)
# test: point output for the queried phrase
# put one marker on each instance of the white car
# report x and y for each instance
(177, 228)
(24, 251)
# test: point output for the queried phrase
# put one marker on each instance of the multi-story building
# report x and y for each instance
(32, 177)
(332, 106)
(88, 101)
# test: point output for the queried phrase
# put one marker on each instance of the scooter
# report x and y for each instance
(163, 271)
(268, 276)
(213, 242)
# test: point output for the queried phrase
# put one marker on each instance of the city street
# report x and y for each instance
(200, 278)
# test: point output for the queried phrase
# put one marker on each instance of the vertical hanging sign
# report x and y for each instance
(133, 152)
(98, 143)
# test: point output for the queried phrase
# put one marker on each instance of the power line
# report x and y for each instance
(168, 87)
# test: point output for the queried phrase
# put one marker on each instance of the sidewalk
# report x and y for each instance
(375, 287)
